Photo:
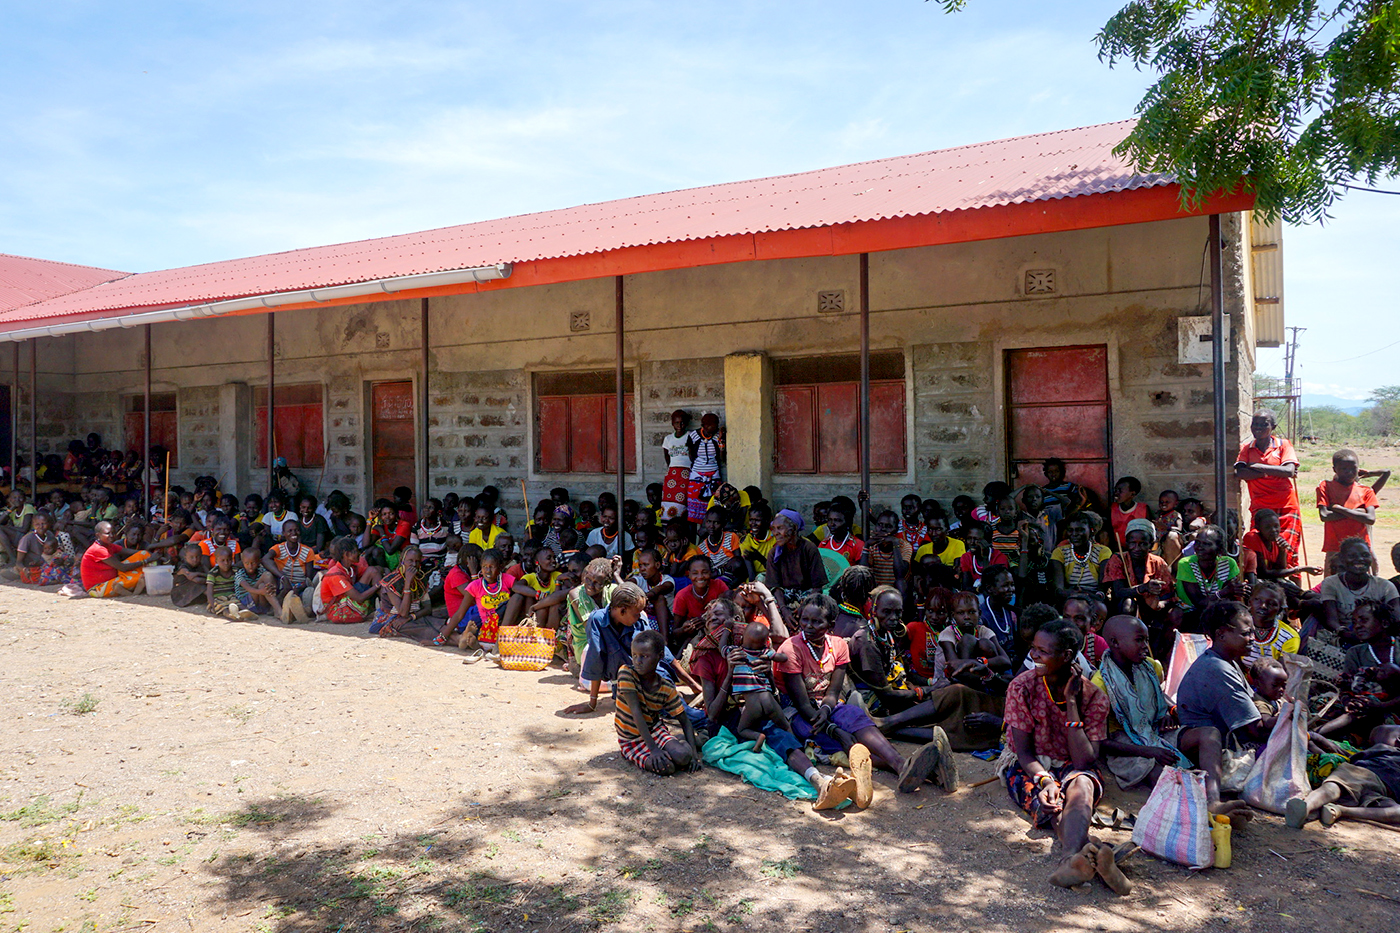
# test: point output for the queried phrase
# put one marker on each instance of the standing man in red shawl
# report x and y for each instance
(1268, 466)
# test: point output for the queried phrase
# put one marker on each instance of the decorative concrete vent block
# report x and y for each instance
(831, 302)
(1193, 339)
(1040, 281)
(381, 340)
(579, 321)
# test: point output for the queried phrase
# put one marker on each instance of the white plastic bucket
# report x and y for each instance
(158, 579)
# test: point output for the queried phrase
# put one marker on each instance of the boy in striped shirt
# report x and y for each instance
(644, 701)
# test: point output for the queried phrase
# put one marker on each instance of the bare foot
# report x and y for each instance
(1109, 871)
(1076, 869)
(1238, 811)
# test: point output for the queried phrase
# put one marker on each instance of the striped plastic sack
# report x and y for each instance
(524, 647)
(1185, 650)
(1280, 772)
(1174, 824)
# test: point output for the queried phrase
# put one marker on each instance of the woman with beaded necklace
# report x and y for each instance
(1206, 576)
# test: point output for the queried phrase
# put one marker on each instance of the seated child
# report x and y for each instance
(488, 594)
(644, 701)
(974, 655)
(751, 684)
(660, 589)
(1141, 730)
(402, 595)
(1169, 524)
(188, 584)
(254, 586)
(1365, 788)
(292, 564)
(538, 593)
(1270, 680)
(1371, 679)
(979, 556)
(55, 566)
(219, 588)
(346, 589)
(1273, 636)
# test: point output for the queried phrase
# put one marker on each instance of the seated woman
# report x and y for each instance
(403, 606)
(15, 521)
(1140, 583)
(110, 568)
(1205, 577)
(1054, 714)
(45, 557)
(1214, 700)
(814, 685)
(795, 568)
(1352, 583)
(346, 590)
(851, 591)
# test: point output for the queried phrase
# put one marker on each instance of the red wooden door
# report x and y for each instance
(1057, 405)
(392, 438)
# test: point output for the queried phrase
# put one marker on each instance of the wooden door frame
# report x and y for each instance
(1093, 337)
(368, 382)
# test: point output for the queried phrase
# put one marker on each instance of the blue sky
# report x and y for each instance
(145, 135)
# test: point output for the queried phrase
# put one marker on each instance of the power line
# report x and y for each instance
(1368, 353)
(1364, 188)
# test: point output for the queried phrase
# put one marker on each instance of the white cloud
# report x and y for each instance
(1339, 391)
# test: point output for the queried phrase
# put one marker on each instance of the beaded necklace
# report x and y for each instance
(1080, 565)
(1051, 696)
(812, 651)
(1389, 653)
(1219, 578)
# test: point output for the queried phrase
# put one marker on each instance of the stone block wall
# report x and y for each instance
(665, 385)
(199, 437)
(477, 434)
(954, 442)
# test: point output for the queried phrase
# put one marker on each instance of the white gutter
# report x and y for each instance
(272, 300)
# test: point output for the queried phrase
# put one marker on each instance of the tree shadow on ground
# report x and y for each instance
(689, 852)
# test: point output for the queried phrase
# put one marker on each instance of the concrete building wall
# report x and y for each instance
(702, 339)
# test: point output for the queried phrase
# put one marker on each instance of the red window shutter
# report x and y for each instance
(794, 429)
(552, 430)
(587, 433)
(887, 452)
(163, 432)
(838, 427)
(313, 436)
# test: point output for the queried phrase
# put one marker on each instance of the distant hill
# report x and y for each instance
(1349, 405)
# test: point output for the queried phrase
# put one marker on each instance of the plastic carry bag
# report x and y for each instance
(1280, 770)
(1174, 824)
(1185, 650)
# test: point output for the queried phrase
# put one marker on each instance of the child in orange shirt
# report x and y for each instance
(1347, 508)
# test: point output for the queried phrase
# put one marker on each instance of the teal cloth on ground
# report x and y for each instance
(764, 770)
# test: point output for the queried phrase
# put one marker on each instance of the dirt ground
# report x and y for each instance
(165, 770)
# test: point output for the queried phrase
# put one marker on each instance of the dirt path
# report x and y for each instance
(246, 777)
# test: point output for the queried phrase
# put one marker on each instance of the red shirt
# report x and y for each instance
(335, 583)
(690, 605)
(851, 549)
(456, 577)
(1120, 519)
(95, 570)
(968, 564)
(1270, 492)
(1274, 557)
(924, 653)
(1355, 496)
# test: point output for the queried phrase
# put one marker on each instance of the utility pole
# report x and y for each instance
(1294, 393)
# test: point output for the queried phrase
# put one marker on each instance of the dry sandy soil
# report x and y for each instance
(168, 771)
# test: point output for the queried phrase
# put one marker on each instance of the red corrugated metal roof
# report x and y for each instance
(1046, 166)
(24, 281)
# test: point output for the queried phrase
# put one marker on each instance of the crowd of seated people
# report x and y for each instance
(1030, 619)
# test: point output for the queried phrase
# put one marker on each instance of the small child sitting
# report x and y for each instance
(644, 701)
(974, 655)
(254, 586)
(188, 584)
(1270, 681)
(219, 588)
(751, 685)
(1370, 684)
